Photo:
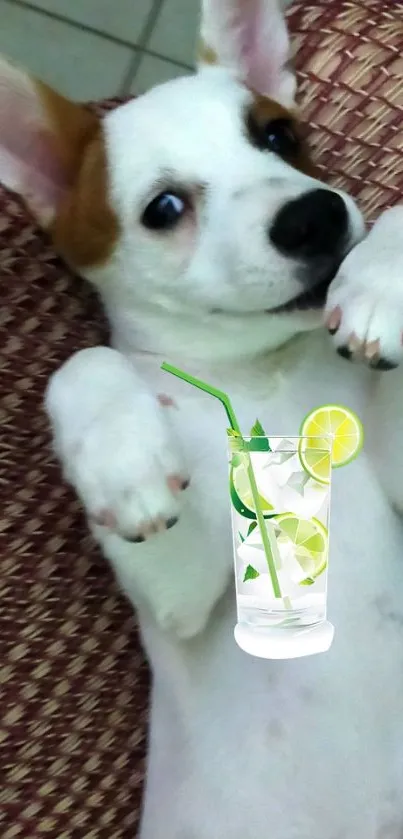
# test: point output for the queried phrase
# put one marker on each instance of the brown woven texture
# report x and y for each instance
(73, 684)
(349, 54)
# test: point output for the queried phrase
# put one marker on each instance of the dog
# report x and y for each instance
(196, 213)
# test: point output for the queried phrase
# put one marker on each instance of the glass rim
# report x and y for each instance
(290, 437)
(295, 439)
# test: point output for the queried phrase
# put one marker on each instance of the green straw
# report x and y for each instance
(268, 537)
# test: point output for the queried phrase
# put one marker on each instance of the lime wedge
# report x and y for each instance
(309, 540)
(241, 494)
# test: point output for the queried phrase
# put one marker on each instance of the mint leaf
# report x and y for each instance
(259, 441)
(307, 582)
(252, 526)
(259, 444)
(258, 430)
(251, 574)
(241, 538)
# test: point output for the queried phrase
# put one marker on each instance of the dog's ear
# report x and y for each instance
(43, 136)
(250, 38)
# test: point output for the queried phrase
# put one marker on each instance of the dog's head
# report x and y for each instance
(193, 208)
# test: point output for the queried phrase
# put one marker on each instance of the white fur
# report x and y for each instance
(369, 292)
(239, 748)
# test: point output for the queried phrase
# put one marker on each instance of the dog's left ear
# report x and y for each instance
(43, 137)
(250, 38)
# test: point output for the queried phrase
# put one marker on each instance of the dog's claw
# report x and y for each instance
(345, 352)
(354, 344)
(383, 364)
(174, 483)
(372, 350)
(334, 320)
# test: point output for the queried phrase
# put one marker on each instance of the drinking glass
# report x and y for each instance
(280, 494)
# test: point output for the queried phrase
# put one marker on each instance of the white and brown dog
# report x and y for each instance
(193, 210)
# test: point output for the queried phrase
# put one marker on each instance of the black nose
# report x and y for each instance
(313, 225)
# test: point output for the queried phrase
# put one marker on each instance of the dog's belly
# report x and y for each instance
(310, 749)
(306, 749)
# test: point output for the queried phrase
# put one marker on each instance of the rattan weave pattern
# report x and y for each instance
(350, 61)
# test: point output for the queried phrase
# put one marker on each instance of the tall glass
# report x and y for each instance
(281, 549)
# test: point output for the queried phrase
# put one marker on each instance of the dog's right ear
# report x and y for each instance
(42, 139)
(250, 39)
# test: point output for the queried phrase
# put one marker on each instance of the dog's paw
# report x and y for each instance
(364, 310)
(365, 326)
(128, 471)
(114, 439)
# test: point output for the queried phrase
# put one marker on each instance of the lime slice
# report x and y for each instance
(309, 539)
(316, 461)
(241, 494)
(348, 437)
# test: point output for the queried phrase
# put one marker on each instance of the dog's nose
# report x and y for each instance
(313, 225)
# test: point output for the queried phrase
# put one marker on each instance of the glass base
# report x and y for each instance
(284, 642)
(306, 611)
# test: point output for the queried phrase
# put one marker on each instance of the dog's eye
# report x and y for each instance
(281, 138)
(164, 212)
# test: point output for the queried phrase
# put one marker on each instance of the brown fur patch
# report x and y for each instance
(264, 110)
(72, 127)
(85, 228)
(206, 54)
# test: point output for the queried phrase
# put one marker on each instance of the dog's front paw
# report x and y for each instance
(127, 470)
(364, 310)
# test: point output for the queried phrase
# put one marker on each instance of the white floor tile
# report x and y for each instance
(175, 33)
(120, 18)
(78, 63)
(153, 71)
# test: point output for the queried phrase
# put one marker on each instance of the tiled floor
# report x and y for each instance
(90, 49)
